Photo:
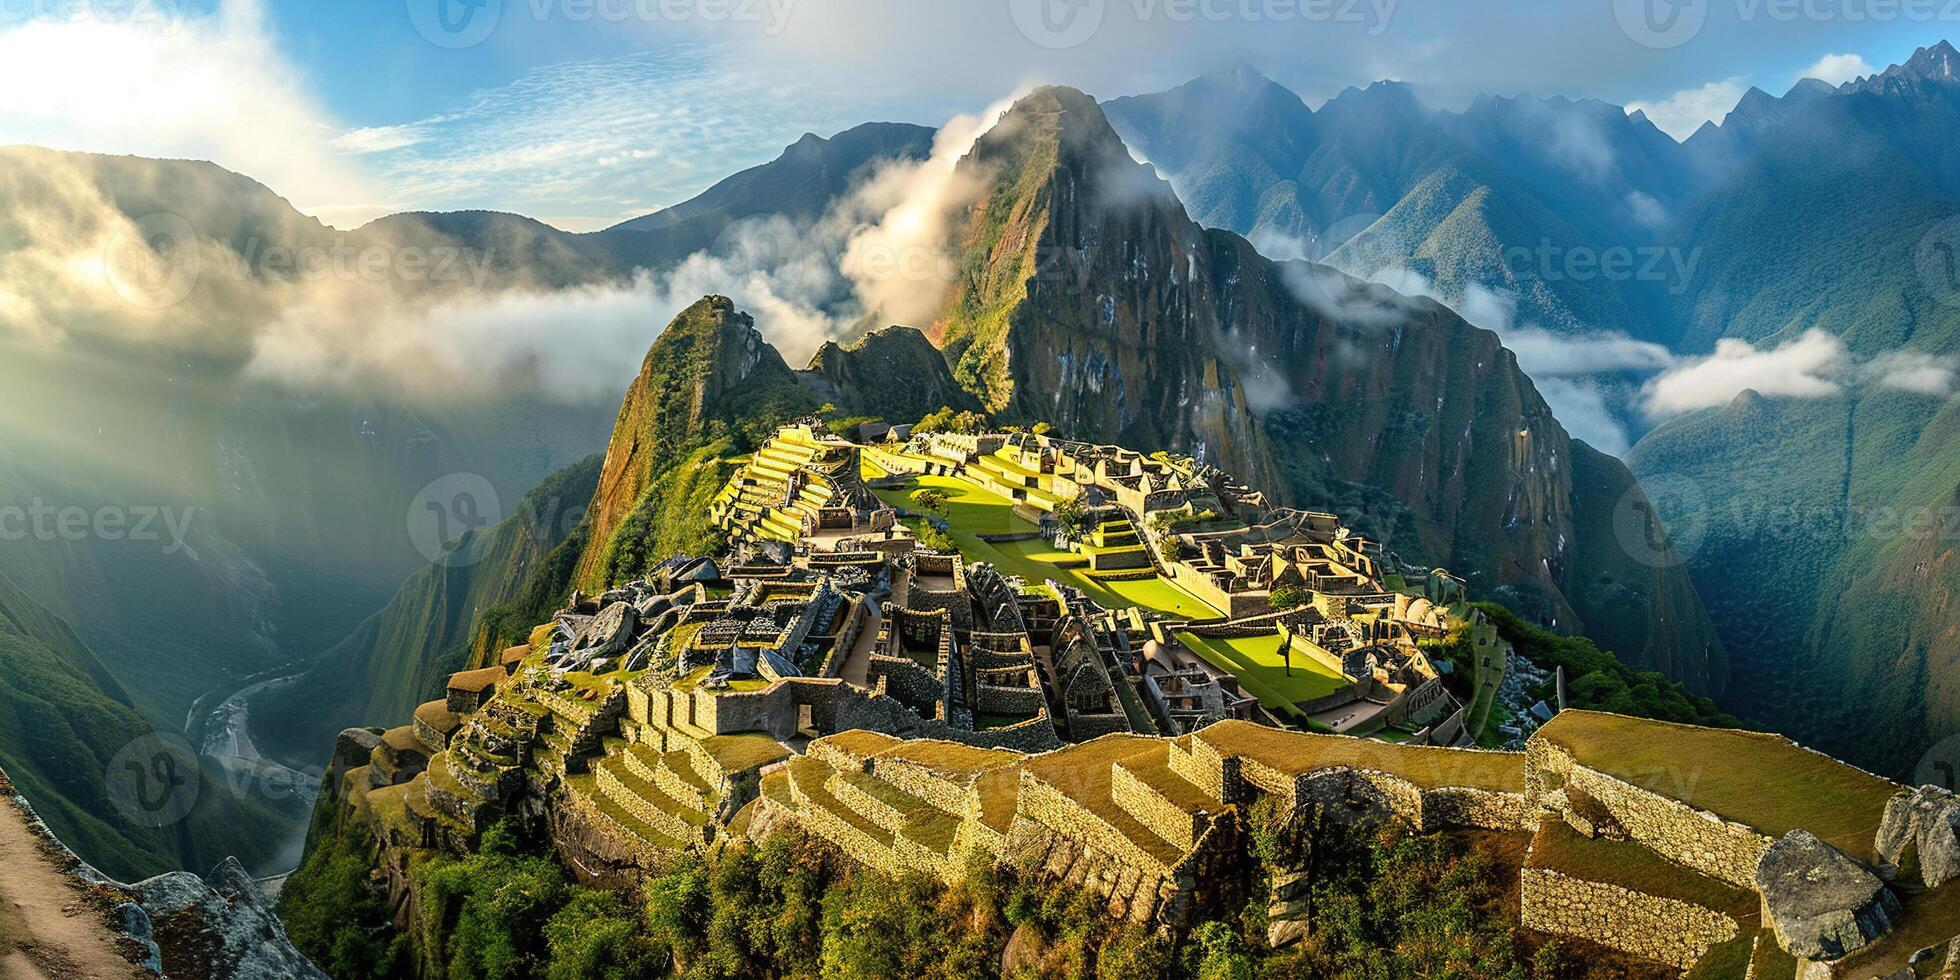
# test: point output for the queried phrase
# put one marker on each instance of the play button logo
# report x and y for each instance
(1058, 24)
(455, 23)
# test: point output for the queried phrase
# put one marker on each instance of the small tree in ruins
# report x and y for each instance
(932, 501)
(1073, 515)
(1289, 597)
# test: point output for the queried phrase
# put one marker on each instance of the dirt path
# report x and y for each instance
(49, 926)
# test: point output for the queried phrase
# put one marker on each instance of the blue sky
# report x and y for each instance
(584, 112)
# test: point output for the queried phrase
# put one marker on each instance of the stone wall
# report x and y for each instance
(1700, 840)
(914, 686)
(1008, 700)
(1053, 809)
(1152, 809)
(1663, 929)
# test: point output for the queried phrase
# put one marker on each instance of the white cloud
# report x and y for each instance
(1814, 365)
(1544, 354)
(597, 142)
(1646, 209)
(378, 139)
(212, 88)
(1912, 371)
(1680, 114)
(1581, 407)
(1838, 69)
(1802, 368)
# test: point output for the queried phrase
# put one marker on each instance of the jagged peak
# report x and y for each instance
(1936, 64)
(1383, 92)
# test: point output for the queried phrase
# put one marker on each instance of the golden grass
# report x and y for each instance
(743, 752)
(952, 758)
(1764, 781)
(1427, 767)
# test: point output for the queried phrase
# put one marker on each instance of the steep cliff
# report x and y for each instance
(1088, 298)
(709, 375)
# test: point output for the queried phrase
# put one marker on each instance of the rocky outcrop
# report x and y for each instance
(175, 925)
(860, 378)
(1822, 904)
(710, 371)
(1926, 819)
(220, 926)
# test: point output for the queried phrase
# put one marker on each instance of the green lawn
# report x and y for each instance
(1256, 662)
(972, 511)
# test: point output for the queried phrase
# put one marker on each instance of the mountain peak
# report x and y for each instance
(1935, 65)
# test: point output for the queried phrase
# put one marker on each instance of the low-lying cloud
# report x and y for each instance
(407, 307)
(1814, 365)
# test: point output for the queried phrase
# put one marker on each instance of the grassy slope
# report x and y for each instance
(1822, 537)
(973, 511)
(1764, 781)
(710, 376)
(62, 721)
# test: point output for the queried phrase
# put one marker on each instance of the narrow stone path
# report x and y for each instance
(49, 926)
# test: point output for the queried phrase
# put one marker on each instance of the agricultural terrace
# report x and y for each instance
(1763, 781)
(972, 511)
(1428, 767)
(1256, 662)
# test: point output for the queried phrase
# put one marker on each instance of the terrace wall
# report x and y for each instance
(1673, 932)
(1716, 847)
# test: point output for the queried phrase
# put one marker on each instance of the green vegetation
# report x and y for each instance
(948, 420)
(793, 906)
(1596, 679)
(62, 723)
(671, 517)
(1409, 906)
(332, 910)
(443, 618)
(1279, 682)
(1634, 867)
(972, 511)
(1821, 555)
(1290, 597)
